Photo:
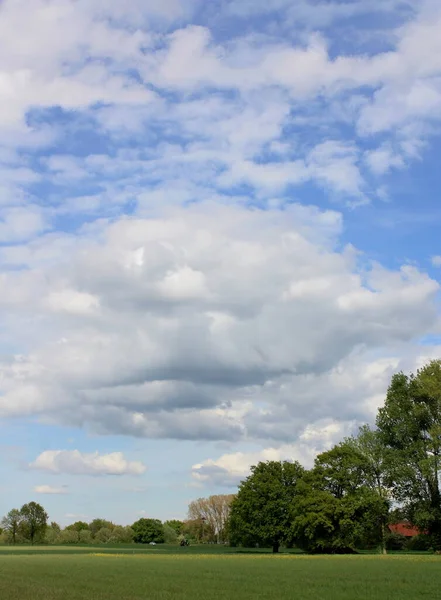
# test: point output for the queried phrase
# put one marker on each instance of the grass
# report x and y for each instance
(163, 573)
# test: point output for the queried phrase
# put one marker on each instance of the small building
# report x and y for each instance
(404, 528)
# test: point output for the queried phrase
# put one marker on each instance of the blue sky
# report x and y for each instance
(218, 238)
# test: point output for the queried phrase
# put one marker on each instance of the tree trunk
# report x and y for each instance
(276, 547)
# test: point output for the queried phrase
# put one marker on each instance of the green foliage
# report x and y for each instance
(122, 535)
(170, 535)
(260, 511)
(194, 530)
(103, 536)
(11, 525)
(68, 536)
(178, 526)
(98, 524)
(33, 521)
(395, 541)
(85, 536)
(419, 543)
(148, 530)
(410, 425)
(78, 526)
(335, 510)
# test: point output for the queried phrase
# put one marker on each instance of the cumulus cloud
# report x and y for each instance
(74, 462)
(161, 280)
(50, 489)
(212, 323)
(230, 469)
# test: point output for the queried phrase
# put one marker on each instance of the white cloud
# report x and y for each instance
(216, 321)
(74, 462)
(49, 489)
(209, 322)
(436, 261)
(230, 469)
(383, 159)
(21, 223)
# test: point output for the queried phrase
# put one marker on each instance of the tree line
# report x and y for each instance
(346, 501)
(30, 525)
(384, 474)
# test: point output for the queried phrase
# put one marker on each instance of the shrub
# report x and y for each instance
(67, 536)
(419, 543)
(103, 536)
(395, 541)
(85, 536)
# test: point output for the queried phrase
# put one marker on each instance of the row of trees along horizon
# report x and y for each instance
(345, 502)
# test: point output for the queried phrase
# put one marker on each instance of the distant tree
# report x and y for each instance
(170, 535)
(104, 535)
(68, 536)
(55, 526)
(85, 536)
(52, 533)
(213, 513)
(11, 524)
(34, 521)
(122, 535)
(410, 426)
(148, 530)
(260, 511)
(78, 526)
(195, 530)
(98, 524)
(176, 525)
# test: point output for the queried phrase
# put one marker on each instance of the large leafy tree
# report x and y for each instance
(375, 462)
(260, 513)
(11, 524)
(334, 509)
(33, 521)
(148, 530)
(410, 425)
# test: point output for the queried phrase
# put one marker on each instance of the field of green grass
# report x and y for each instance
(162, 573)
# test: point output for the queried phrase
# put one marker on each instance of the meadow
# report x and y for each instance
(161, 573)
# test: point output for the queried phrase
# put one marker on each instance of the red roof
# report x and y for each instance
(404, 528)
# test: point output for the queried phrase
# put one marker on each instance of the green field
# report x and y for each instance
(167, 573)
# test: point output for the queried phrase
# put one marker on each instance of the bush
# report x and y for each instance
(103, 536)
(67, 536)
(395, 541)
(85, 536)
(122, 535)
(170, 535)
(419, 543)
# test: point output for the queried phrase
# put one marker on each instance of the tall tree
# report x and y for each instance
(11, 524)
(260, 511)
(34, 521)
(375, 468)
(410, 425)
(334, 510)
(213, 513)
